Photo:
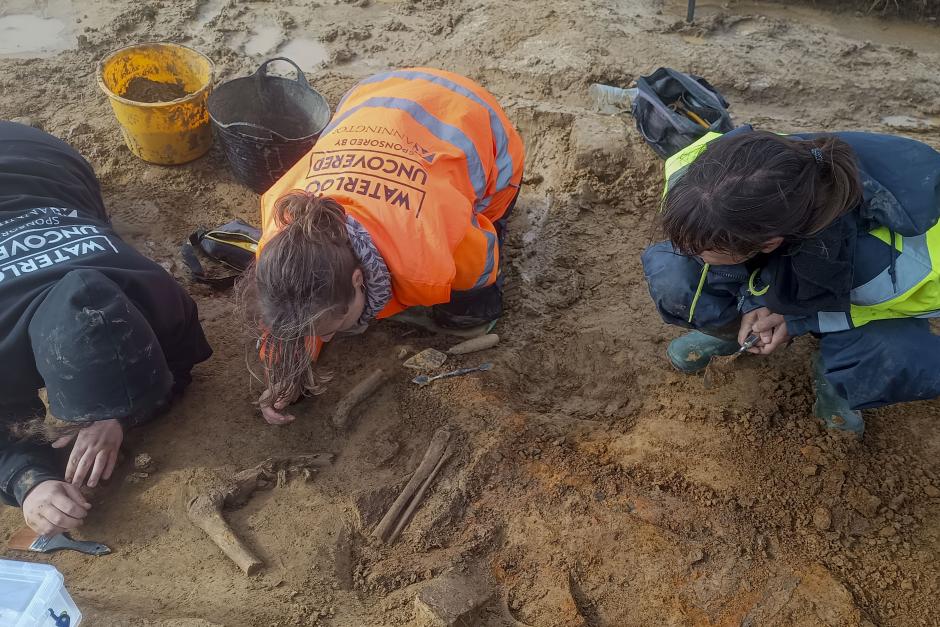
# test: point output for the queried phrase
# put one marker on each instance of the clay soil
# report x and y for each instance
(592, 484)
(145, 90)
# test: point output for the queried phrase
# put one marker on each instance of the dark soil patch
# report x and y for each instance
(142, 89)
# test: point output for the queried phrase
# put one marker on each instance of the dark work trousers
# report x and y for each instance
(881, 363)
(472, 308)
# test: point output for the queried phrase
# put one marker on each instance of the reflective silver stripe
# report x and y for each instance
(441, 130)
(504, 165)
(832, 321)
(930, 314)
(912, 266)
(490, 262)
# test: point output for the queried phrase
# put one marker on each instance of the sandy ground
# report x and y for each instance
(592, 484)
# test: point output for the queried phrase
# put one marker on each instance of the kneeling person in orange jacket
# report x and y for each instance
(402, 202)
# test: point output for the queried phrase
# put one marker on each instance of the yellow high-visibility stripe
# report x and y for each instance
(698, 291)
(234, 239)
(750, 285)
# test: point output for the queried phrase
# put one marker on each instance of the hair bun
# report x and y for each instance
(311, 214)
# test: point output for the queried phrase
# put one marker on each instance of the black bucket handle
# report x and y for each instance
(234, 126)
(262, 70)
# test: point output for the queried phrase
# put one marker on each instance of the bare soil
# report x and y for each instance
(592, 484)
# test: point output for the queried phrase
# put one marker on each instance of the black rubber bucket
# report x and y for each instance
(265, 124)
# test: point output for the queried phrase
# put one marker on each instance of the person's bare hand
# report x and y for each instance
(53, 507)
(95, 452)
(770, 327)
(273, 412)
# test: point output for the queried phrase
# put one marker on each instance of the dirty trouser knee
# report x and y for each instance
(473, 308)
(883, 362)
(673, 281)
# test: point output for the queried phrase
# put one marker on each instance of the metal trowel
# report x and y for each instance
(28, 540)
(424, 379)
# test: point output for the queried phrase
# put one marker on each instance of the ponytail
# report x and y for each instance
(302, 274)
(314, 218)
(837, 186)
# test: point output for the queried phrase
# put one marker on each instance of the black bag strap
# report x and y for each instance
(196, 270)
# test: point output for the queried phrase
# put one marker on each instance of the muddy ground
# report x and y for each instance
(592, 484)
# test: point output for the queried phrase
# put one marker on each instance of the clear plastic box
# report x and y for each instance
(29, 591)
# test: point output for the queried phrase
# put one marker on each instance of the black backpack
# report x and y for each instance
(673, 110)
(232, 245)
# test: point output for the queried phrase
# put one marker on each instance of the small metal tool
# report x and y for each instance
(748, 344)
(424, 379)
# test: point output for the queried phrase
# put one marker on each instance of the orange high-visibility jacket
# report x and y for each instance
(426, 161)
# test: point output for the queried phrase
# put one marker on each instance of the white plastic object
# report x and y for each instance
(610, 99)
(28, 591)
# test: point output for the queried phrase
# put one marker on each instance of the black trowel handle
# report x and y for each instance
(62, 541)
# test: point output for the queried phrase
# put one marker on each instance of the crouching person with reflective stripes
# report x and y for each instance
(403, 202)
(833, 235)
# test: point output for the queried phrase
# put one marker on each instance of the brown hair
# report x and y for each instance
(748, 188)
(303, 273)
(45, 429)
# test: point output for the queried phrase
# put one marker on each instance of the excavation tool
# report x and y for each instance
(718, 371)
(28, 540)
(473, 345)
(424, 379)
(428, 359)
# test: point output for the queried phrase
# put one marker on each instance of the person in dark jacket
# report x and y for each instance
(834, 235)
(107, 332)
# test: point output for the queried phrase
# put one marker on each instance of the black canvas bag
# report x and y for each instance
(232, 245)
(673, 110)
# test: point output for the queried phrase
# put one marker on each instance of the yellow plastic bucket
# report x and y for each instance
(170, 132)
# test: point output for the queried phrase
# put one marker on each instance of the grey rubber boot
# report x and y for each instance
(830, 407)
(691, 352)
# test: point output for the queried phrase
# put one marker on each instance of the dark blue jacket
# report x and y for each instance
(901, 191)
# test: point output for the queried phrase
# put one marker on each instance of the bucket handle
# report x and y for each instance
(257, 127)
(263, 70)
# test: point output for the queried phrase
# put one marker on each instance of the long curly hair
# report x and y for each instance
(303, 274)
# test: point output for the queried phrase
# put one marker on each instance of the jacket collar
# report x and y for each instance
(378, 280)
(814, 274)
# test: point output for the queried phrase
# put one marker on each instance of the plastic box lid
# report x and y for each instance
(29, 591)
